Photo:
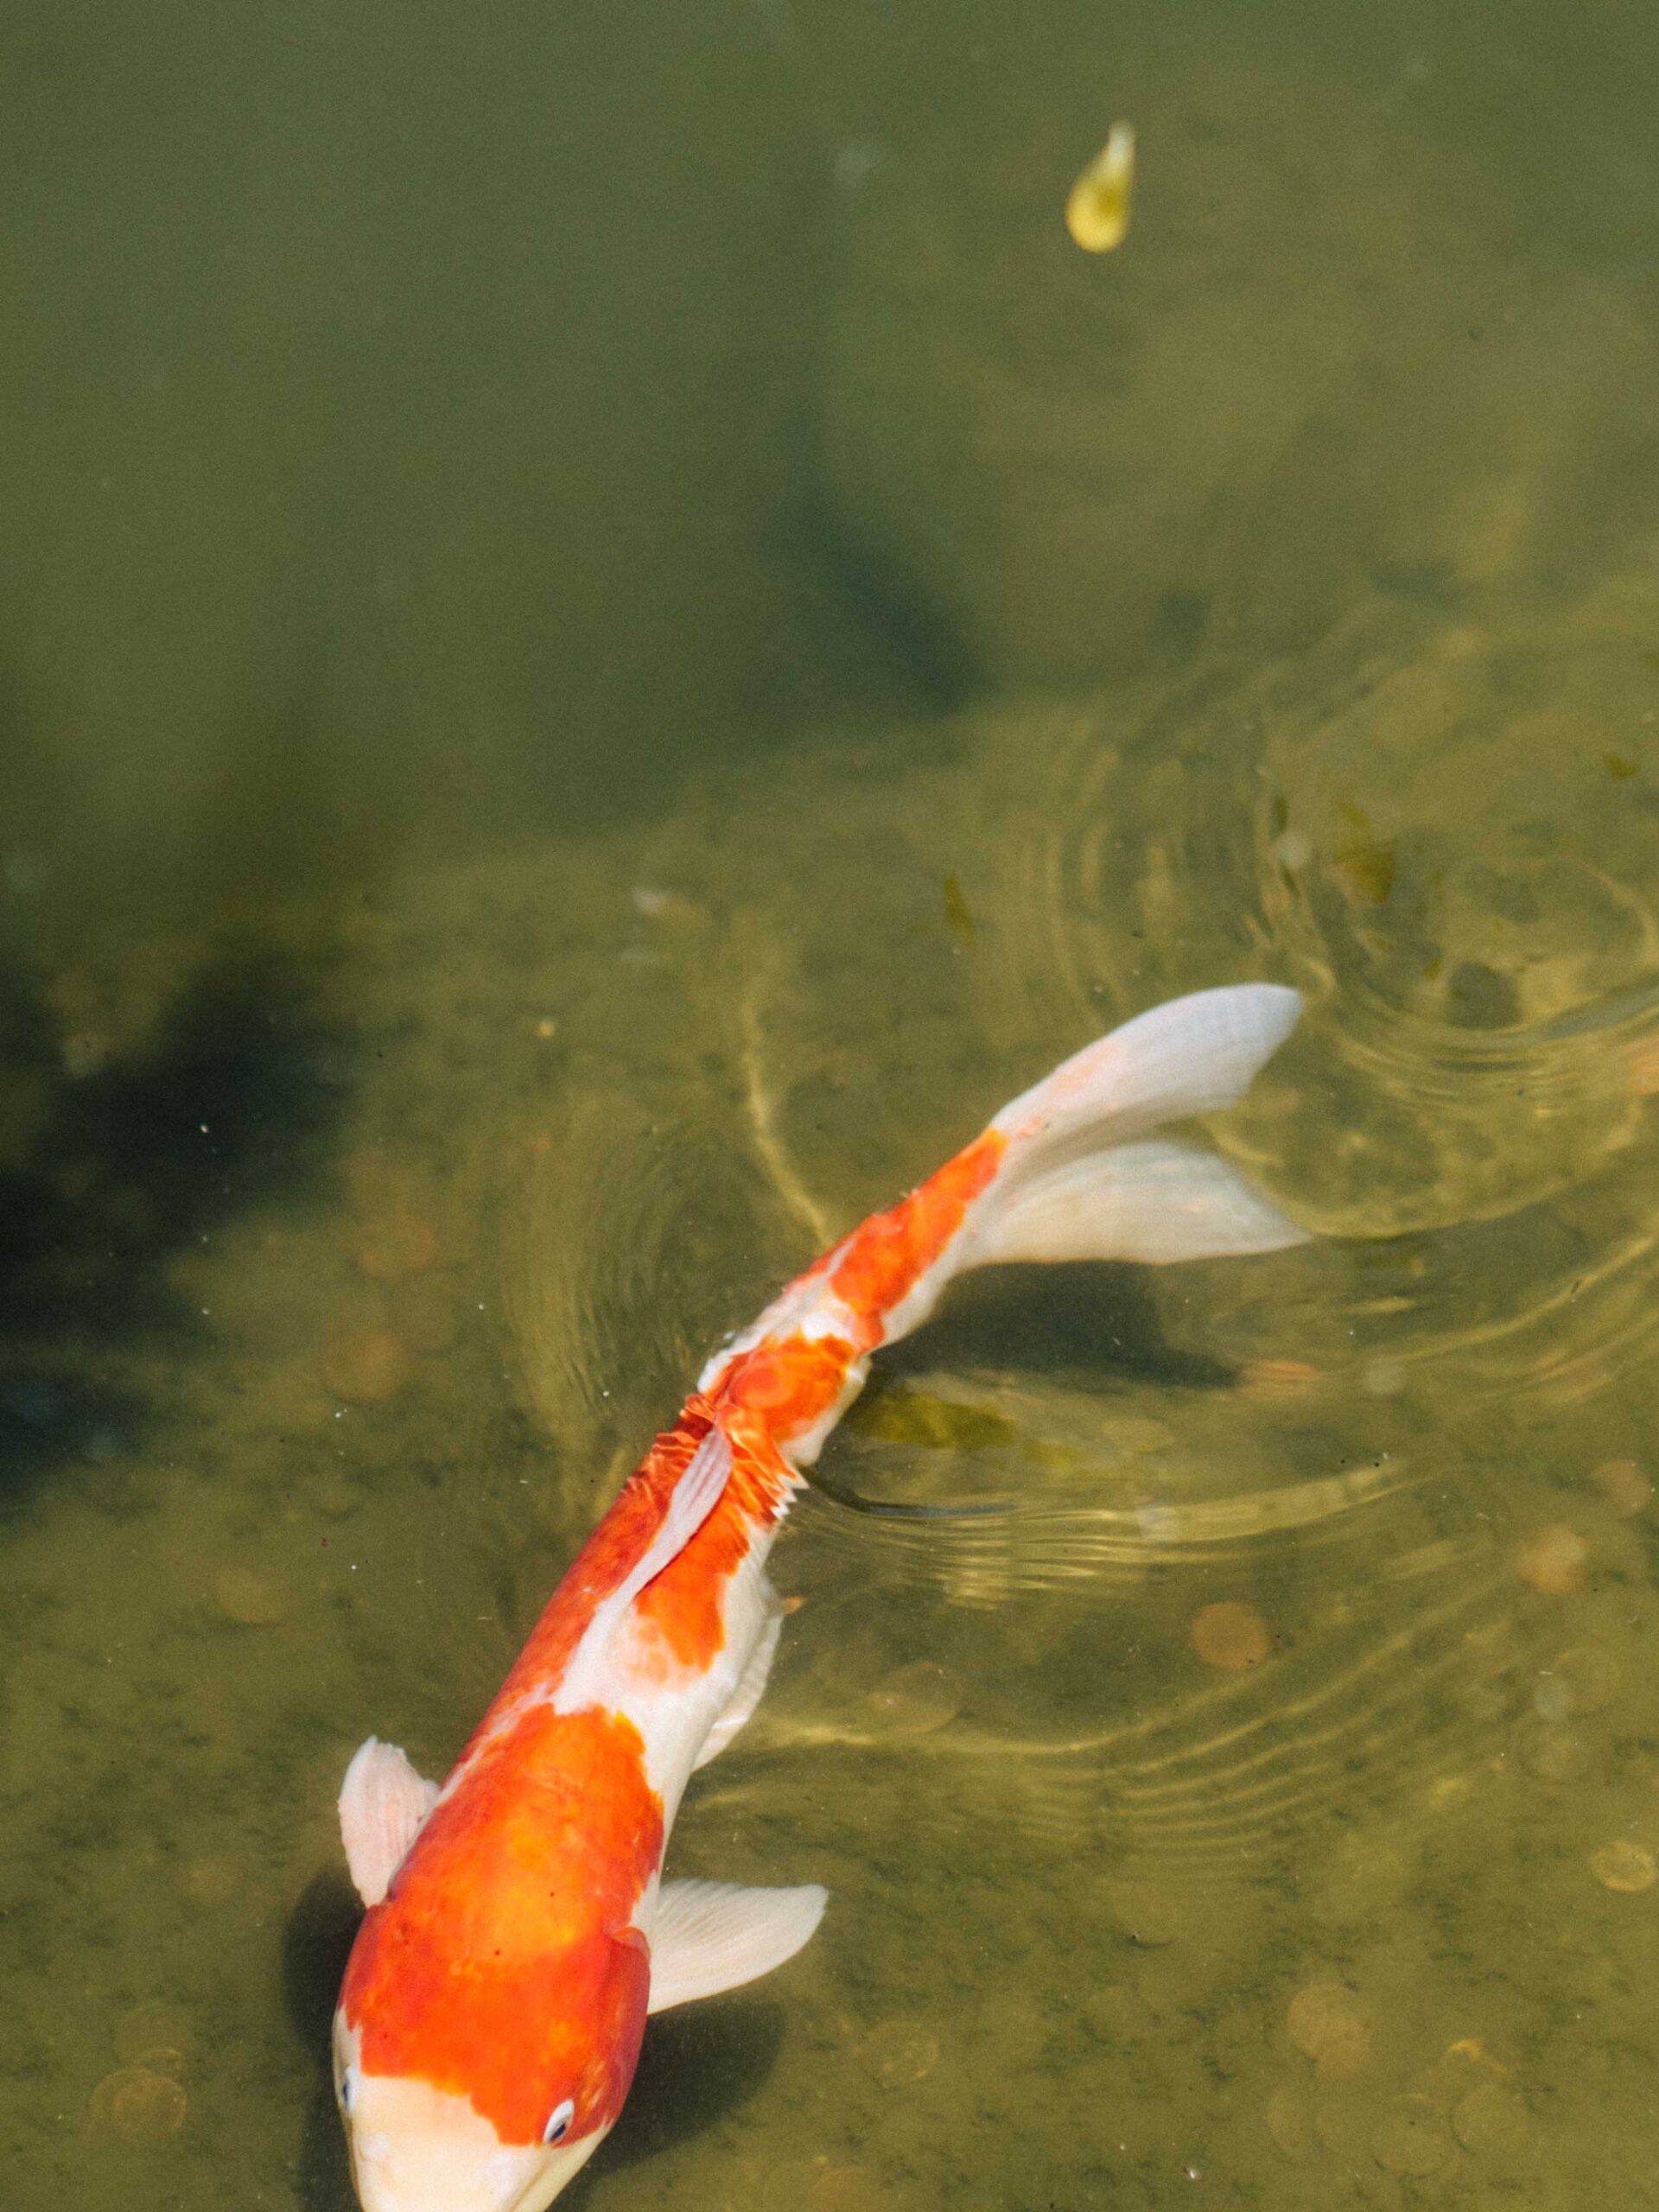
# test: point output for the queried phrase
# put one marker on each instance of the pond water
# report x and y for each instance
(609, 637)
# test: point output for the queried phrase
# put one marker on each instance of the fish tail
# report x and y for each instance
(1072, 1170)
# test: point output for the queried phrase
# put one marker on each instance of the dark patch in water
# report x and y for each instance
(700, 2063)
(1085, 1315)
(316, 1943)
(120, 1168)
(908, 650)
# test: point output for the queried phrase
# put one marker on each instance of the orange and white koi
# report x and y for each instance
(518, 1927)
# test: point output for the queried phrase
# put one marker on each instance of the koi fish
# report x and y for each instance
(519, 1929)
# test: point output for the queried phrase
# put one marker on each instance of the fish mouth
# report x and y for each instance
(562, 2166)
(418, 2149)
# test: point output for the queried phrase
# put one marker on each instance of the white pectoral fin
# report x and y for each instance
(751, 1688)
(1153, 1201)
(709, 1936)
(383, 1804)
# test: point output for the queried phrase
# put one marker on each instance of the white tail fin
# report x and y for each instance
(1081, 1181)
(1191, 1056)
(1151, 1202)
(1079, 1178)
(1077, 1184)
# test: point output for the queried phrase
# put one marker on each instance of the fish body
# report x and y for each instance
(518, 1927)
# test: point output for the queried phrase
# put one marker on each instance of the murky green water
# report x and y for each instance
(608, 638)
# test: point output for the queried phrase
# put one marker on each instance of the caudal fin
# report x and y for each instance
(1081, 1177)
(1070, 1171)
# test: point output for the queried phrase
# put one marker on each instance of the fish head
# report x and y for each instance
(494, 2098)
(417, 2148)
(491, 2011)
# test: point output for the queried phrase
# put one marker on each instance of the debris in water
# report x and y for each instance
(151, 2028)
(1552, 1753)
(1148, 1916)
(1366, 863)
(1383, 1378)
(1098, 205)
(670, 906)
(1553, 1560)
(138, 2106)
(397, 1245)
(1491, 2121)
(913, 1700)
(366, 1366)
(1411, 2137)
(958, 915)
(900, 2052)
(1328, 2023)
(1266, 1380)
(1368, 868)
(1623, 1485)
(1626, 1866)
(1231, 1635)
(250, 1599)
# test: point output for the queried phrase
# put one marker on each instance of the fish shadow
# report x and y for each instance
(317, 1940)
(698, 2063)
(121, 1162)
(1082, 1315)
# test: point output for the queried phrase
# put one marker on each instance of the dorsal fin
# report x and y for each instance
(696, 1492)
(694, 1497)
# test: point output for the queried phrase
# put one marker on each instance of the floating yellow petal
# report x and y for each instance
(1097, 207)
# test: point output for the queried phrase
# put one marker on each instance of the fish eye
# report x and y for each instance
(343, 2089)
(558, 2121)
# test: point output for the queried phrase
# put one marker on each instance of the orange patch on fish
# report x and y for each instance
(785, 1386)
(893, 1250)
(686, 1603)
(504, 1951)
(691, 1617)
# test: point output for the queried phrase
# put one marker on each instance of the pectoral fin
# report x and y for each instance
(383, 1804)
(712, 1935)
